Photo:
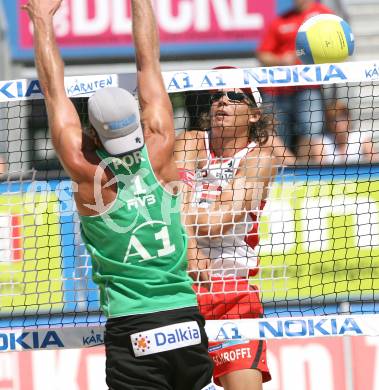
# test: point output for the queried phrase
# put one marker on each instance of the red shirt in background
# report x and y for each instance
(280, 37)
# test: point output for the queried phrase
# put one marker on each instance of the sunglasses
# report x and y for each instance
(231, 95)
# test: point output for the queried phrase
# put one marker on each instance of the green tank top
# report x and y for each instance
(139, 246)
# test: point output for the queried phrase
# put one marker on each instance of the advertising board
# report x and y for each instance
(294, 365)
(43, 268)
(92, 29)
(319, 240)
(320, 235)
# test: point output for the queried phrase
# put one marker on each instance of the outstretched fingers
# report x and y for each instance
(41, 8)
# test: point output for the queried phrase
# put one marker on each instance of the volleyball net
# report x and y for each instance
(314, 268)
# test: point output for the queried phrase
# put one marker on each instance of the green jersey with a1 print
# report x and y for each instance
(139, 246)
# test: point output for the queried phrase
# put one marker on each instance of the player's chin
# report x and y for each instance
(221, 121)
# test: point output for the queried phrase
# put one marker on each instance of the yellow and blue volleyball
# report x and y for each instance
(324, 39)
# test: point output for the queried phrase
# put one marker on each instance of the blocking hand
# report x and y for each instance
(42, 8)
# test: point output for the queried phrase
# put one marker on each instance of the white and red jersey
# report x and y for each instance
(233, 253)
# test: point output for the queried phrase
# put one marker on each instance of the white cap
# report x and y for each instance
(114, 114)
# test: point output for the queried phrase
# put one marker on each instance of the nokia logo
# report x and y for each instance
(308, 327)
(260, 77)
(18, 341)
(301, 75)
(20, 89)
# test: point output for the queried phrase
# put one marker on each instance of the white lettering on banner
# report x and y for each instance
(6, 238)
(315, 216)
(95, 372)
(174, 17)
(74, 17)
(274, 365)
(316, 224)
(309, 327)
(53, 368)
(374, 342)
(281, 219)
(222, 12)
(83, 24)
(178, 23)
(243, 20)
(314, 360)
(9, 372)
(166, 338)
(62, 20)
(229, 15)
(122, 23)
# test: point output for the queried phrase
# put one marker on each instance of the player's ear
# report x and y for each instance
(254, 116)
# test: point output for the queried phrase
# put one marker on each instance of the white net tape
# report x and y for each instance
(314, 267)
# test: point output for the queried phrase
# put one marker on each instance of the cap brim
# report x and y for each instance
(124, 145)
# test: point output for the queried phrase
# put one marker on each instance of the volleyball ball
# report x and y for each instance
(324, 38)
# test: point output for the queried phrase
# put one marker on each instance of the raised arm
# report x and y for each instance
(64, 122)
(157, 114)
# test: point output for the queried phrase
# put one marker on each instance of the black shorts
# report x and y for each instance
(183, 368)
